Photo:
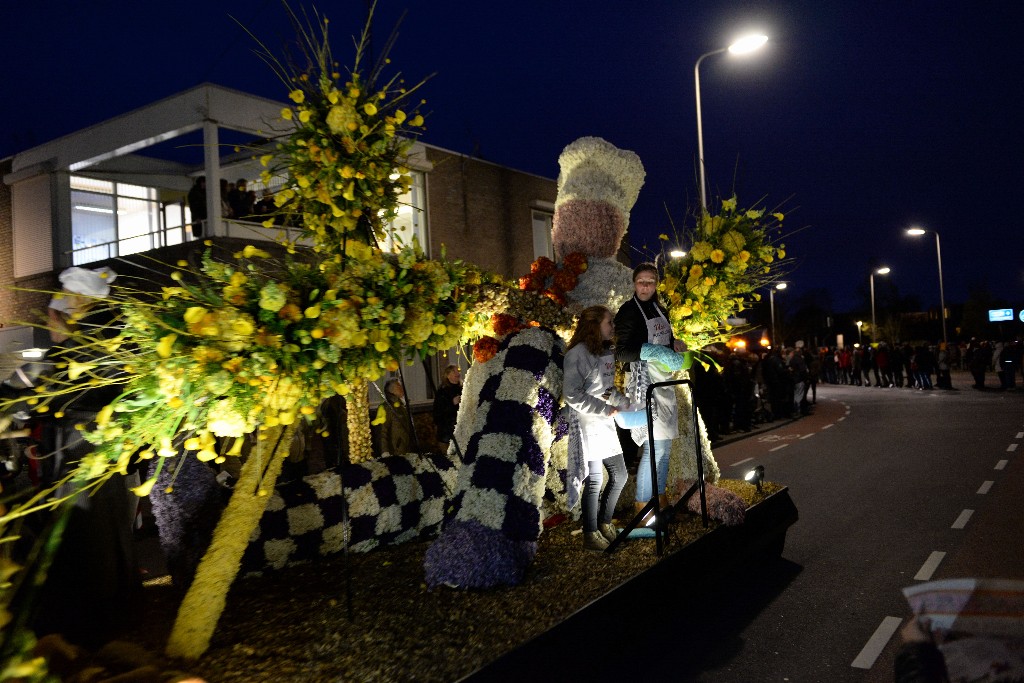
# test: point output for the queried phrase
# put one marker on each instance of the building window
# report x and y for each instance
(112, 219)
(411, 220)
(542, 221)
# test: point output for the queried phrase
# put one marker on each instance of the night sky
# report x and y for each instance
(857, 119)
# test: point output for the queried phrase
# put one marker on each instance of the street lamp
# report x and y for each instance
(917, 232)
(771, 297)
(860, 337)
(874, 325)
(740, 47)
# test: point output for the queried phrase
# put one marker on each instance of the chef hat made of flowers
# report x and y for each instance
(84, 281)
(598, 184)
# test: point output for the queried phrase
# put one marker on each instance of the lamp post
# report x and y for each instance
(771, 297)
(860, 337)
(916, 232)
(874, 325)
(740, 47)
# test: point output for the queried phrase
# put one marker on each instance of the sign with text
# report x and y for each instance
(996, 315)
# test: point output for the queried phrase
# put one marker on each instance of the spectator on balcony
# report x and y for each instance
(197, 206)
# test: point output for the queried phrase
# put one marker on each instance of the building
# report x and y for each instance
(120, 187)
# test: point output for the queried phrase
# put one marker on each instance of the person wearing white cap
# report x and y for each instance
(81, 288)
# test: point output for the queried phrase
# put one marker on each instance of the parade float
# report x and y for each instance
(231, 356)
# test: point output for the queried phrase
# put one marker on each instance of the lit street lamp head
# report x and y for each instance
(748, 44)
(916, 231)
(883, 270)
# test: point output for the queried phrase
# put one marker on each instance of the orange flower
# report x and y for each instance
(485, 349)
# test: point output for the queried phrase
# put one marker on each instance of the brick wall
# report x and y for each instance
(482, 212)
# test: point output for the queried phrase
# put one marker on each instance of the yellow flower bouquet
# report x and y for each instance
(344, 165)
(734, 253)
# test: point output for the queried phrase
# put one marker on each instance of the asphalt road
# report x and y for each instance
(884, 479)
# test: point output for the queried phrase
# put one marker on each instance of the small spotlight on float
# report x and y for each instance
(755, 476)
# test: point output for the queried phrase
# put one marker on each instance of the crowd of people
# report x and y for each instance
(236, 202)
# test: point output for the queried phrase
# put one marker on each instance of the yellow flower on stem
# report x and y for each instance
(164, 348)
(143, 489)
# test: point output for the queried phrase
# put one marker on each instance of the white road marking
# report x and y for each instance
(807, 436)
(985, 488)
(770, 450)
(929, 566)
(1011, 448)
(841, 418)
(827, 427)
(1001, 465)
(1020, 435)
(961, 521)
(866, 658)
(737, 464)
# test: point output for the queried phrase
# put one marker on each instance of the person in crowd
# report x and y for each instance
(241, 202)
(197, 206)
(779, 385)
(844, 359)
(265, 208)
(867, 366)
(883, 371)
(446, 404)
(589, 390)
(798, 371)
(910, 366)
(709, 395)
(1009, 361)
(226, 190)
(943, 378)
(979, 356)
(739, 384)
(924, 359)
(896, 365)
(829, 366)
(395, 436)
(644, 339)
(857, 365)
(813, 361)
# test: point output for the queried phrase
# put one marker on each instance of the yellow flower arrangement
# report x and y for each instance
(345, 163)
(734, 253)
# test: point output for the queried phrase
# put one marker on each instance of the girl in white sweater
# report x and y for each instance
(589, 390)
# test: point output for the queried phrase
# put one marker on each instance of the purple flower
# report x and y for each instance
(469, 555)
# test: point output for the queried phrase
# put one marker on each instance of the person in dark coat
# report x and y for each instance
(446, 405)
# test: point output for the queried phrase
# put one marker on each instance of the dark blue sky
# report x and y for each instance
(858, 118)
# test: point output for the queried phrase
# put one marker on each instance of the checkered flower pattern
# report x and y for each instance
(490, 534)
(390, 500)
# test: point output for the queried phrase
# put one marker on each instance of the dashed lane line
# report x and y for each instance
(1001, 465)
(985, 488)
(737, 464)
(962, 520)
(877, 642)
(777, 448)
(1020, 435)
(807, 436)
(929, 566)
(841, 418)
(1011, 448)
(829, 426)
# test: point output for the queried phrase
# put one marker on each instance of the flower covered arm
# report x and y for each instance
(662, 355)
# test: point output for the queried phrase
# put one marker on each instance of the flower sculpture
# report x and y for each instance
(597, 187)
(506, 421)
(734, 253)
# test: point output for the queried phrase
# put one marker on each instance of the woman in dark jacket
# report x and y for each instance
(644, 339)
(446, 404)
